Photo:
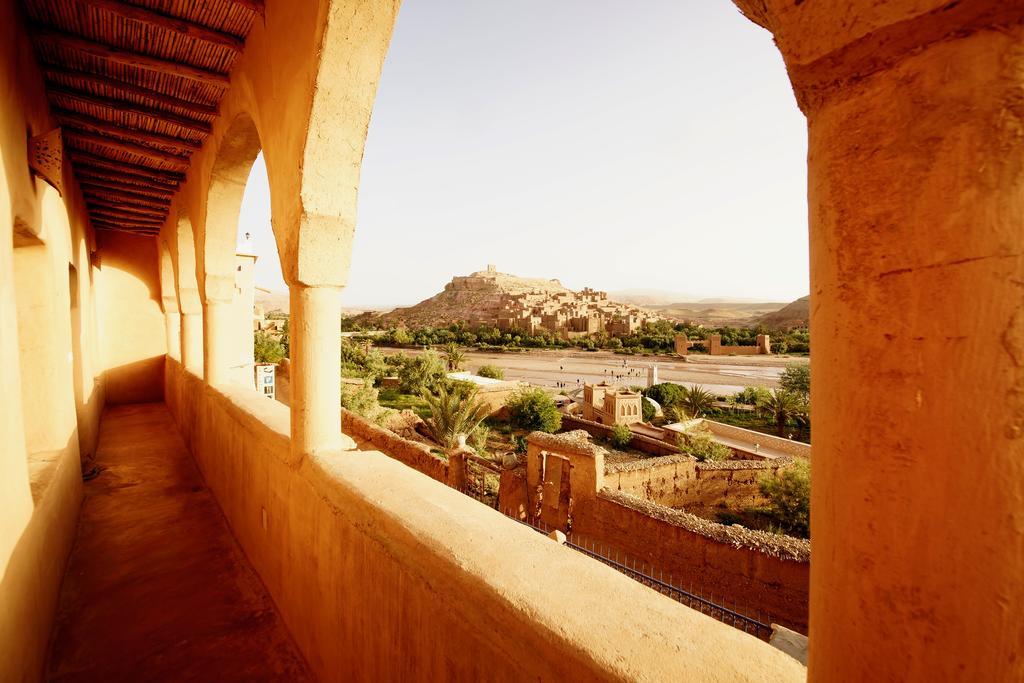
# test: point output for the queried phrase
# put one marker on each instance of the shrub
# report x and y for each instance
(702, 446)
(520, 444)
(421, 373)
(491, 371)
(621, 437)
(789, 497)
(647, 409)
(478, 439)
(361, 400)
(666, 393)
(797, 379)
(533, 409)
(267, 349)
(453, 412)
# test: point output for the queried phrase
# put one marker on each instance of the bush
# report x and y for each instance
(267, 349)
(520, 444)
(533, 409)
(789, 496)
(666, 393)
(361, 400)
(702, 446)
(621, 436)
(647, 410)
(797, 379)
(491, 371)
(421, 373)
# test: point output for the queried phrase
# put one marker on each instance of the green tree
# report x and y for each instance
(797, 379)
(453, 412)
(782, 406)
(359, 399)
(696, 401)
(401, 337)
(421, 373)
(267, 349)
(534, 409)
(621, 437)
(491, 371)
(789, 498)
(454, 357)
(666, 393)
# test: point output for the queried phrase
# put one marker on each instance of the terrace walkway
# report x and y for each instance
(157, 589)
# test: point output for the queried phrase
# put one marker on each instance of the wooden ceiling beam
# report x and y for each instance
(174, 24)
(82, 157)
(125, 106)
(131, 58)
(134, 134)
(251, 5)
(156, 192)
(121, 200)
(118, 194)
(109, 205)
(125, 219)
(108, 82)
(87, 171)
(103, 225)
(178, 161)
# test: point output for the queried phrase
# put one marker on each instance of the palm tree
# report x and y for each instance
(454, 356)
(453, 412)
(782, 405)
(697, 401)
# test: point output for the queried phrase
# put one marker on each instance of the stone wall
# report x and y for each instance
(363, 554)
(753, 569)
(639, 442)
(414, 454)
(680, 481)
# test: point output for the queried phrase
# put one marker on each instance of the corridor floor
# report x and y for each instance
(157, 589)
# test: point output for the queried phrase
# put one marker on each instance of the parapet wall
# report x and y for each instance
(680, 481)
(754, 569)
(639, 441)
(414, 454)
(797, 449)
(363, 555)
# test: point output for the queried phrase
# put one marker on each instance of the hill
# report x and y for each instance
(795, 314)
(485, 296)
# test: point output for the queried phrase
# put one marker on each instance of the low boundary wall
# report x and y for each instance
(362, 554)
(755, 569)
(640, 442)
(414, 454)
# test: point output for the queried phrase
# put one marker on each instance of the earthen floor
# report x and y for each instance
(157, 589)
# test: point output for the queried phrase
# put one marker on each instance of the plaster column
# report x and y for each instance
(218, 341)
(192, 342)
(916, 200)
(172, 324)
(315, 370)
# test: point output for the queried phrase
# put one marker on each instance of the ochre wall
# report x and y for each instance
(53, 390)
(753, 575)
(681, 482)
(382, 573)
(134, 338)
(415, 455)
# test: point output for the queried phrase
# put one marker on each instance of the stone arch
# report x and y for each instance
(346, 86)
(238, 151)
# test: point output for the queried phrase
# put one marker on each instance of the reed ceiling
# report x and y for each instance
(135, 87)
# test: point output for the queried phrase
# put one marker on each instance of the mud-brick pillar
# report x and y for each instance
(192, 341)
(218, 341)
(916, 205)
(172, 328)
(314, 330)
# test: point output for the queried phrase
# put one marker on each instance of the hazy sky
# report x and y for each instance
(648, 145)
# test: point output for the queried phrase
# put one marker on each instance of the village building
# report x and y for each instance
(609, 404)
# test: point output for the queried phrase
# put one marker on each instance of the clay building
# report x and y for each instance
(611, 405)
(217, 535)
